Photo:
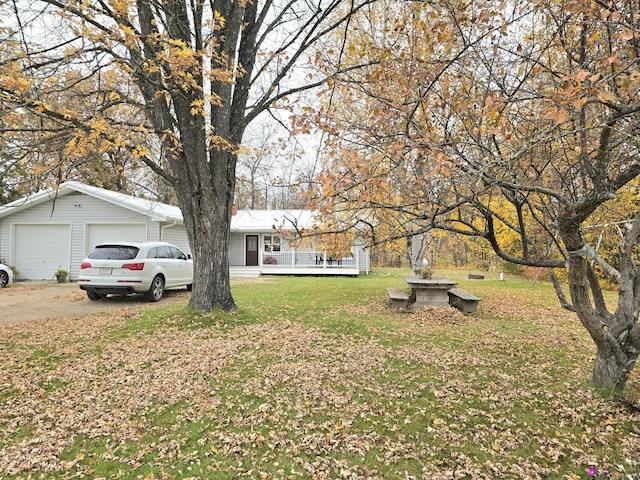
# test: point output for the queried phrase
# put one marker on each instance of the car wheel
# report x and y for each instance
(4, 279)
(189, 287)
(94, 296)
(154, 293)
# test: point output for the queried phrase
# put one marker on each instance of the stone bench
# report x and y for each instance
(398, 297)
(463, 301)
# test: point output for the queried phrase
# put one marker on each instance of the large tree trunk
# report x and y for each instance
(206, 209)
(608, 372)
(615, 335)
(209, 238)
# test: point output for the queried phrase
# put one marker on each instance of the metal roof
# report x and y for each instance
(270, 220)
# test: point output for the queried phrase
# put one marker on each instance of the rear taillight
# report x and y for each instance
(84, 265)
(133, 266)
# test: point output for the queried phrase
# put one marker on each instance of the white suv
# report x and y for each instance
(126, 267)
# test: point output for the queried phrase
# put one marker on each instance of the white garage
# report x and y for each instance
(56, 229)
(40, 249)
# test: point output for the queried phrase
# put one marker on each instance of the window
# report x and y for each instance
(114, 252)
(272, 243)
(176, 253)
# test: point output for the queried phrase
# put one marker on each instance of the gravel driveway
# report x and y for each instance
(21, 302)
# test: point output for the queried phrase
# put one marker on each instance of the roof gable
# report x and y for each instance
(156, 211)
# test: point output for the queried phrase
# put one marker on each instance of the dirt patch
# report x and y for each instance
(25, 302)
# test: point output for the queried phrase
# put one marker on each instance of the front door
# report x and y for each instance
(251, 255)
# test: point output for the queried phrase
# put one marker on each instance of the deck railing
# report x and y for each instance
(308, 259)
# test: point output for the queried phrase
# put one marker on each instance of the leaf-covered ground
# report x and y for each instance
(435, 395)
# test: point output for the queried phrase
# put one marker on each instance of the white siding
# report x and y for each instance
(153, 232)
(177, 235)
(236, 249)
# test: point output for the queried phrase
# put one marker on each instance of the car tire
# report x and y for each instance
(189, 287)
(94, 296)
(156, 290)
(4, 279)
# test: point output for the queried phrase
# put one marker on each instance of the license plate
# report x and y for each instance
(105, 271)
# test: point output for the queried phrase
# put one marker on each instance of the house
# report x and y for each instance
(49, 230)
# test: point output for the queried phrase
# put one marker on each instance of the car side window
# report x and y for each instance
(164, 252)
(153, 253)
(176, 253)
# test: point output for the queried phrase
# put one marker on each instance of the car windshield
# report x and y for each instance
(114, 252)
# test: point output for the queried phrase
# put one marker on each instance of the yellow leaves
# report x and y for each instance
(120, 6)
(12, 80)
(219, 20)
(100, 125)
(197, 107)
(71, 146)
(182, 47)
(140, 152)
(40, 106)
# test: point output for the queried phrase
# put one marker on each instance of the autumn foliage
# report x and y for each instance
(516, 124)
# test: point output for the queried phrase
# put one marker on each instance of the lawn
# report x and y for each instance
(315, 378)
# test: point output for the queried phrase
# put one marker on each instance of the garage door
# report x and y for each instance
(40, 250)
(114, 232)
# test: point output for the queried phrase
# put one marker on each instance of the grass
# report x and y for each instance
(314, 378)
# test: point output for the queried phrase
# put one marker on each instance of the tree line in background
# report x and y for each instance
(512, 125)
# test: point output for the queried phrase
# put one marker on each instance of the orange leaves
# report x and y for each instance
(567, 88)
(558, 115)
(607, 96)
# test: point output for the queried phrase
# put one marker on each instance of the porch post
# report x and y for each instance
(324, 259)
(293, 257)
